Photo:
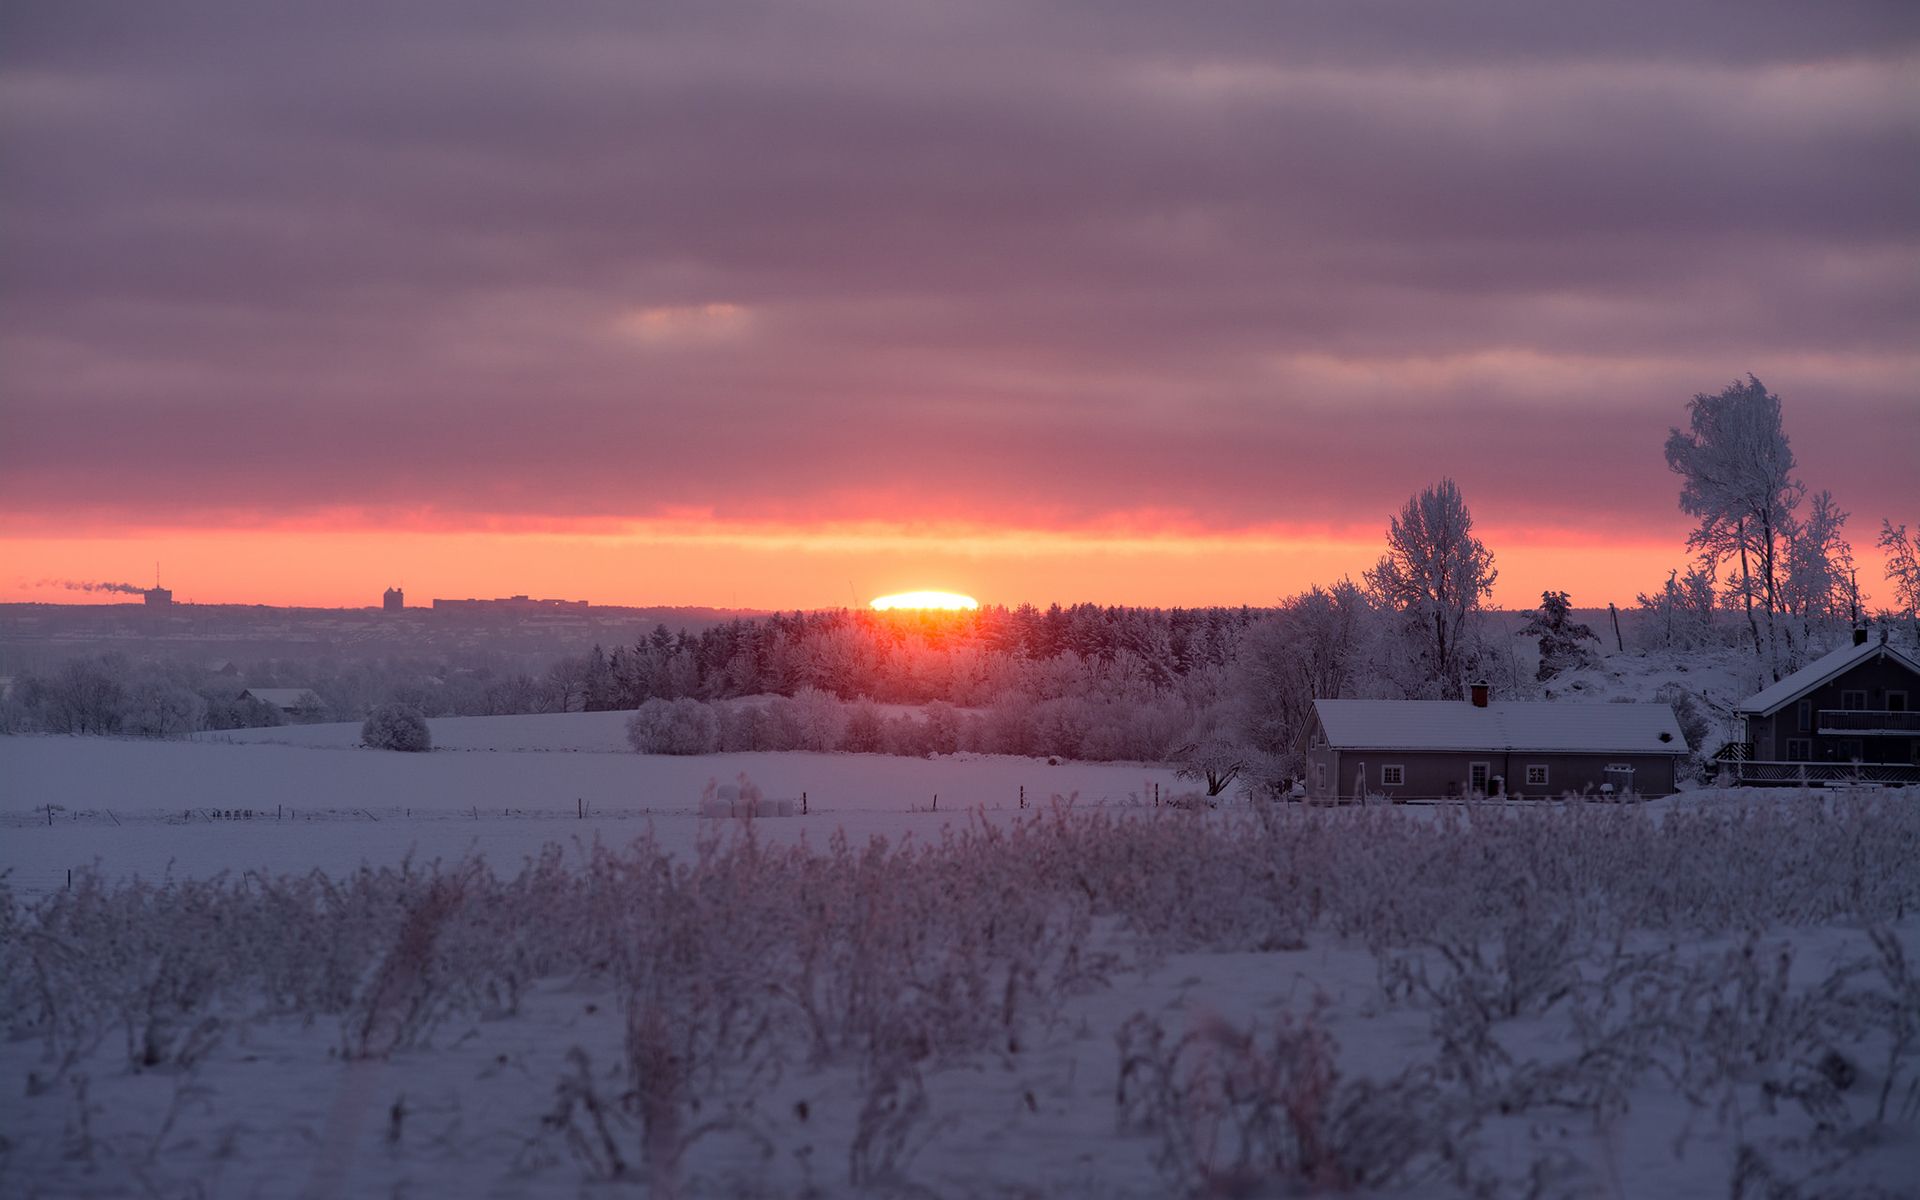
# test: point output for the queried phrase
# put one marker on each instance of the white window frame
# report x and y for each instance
(1906, 701)
(1847, 699)
(1320, 776)
(1805, 712)
(1485, 770)
(1806, 749)
(1537, 775)
(1393, 775)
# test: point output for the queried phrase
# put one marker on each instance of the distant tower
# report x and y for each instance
(393, 600)
(157, 596)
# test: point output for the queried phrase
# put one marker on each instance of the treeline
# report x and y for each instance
(965, 659)
(111, 694)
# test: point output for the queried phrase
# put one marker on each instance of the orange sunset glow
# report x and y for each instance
(766, 566)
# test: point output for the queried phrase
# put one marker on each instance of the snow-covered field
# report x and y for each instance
(518, 782)
(1715, 995)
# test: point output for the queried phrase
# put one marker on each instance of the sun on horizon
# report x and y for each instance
(945, 601)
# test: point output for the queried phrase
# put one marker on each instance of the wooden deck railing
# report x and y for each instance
(1868, 720)
(1794, 773)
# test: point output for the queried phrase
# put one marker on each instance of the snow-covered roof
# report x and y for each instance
(1820, 671)
(282, 697)
(1516, 725)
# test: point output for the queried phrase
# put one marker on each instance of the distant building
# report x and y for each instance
(158, 597)
(509, 604)
(393, 600)
(297, 704)
(1438, 749)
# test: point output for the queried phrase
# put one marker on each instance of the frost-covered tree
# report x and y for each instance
(1683, 609)
(1310, 649)
(1562, 639)
(1213, 756)
(156, 708)
(821, 719)
(864, 729)
(396, 727)
(1819, 586)
(1436, 572)
(1903, 570)
(1738, 480)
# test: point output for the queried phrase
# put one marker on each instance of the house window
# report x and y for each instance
(1806, 716)
(1896, 702)
(1536, 774)
(1394, 776)
(1477, 774)
(1799, 750)
(1853, 699)
(1320, 776)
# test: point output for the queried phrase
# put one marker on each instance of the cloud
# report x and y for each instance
(685, 324)
(1253, 263)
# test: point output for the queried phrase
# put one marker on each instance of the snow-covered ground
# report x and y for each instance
(1712, 995)
(514, 783)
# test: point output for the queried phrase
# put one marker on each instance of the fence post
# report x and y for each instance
(936, 802)
(1023, 795)
(803, 804)
(580, 806)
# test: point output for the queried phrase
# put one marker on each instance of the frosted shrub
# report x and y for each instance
(1237, 1113)
(396, 727)
(682, 726)
(741, 961)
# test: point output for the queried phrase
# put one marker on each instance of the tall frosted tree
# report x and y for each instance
(1436, 573)
(1737, 473)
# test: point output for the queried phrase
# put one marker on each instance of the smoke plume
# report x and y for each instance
(75, 585)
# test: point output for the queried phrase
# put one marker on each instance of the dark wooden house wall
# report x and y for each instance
(1882, 681)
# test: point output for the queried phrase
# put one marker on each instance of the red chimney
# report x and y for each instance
(1480, 691)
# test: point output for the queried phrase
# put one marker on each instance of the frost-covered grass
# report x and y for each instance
(1716, 998)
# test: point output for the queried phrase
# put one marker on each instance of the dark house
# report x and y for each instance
(1437, 749)
(1848, 716)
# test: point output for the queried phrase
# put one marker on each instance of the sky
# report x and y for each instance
(787, 305)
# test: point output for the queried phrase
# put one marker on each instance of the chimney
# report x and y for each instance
(1859, 635)
(1480, 691)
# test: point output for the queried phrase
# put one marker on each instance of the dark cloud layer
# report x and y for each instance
(1241, 262)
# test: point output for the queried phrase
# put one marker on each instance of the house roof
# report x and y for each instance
(1820, 671)
(281, 697)
(1516, 725)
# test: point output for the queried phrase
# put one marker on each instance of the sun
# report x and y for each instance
(945, 601)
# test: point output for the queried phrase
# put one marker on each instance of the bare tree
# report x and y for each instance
(1436, 572)
(1738, 472)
